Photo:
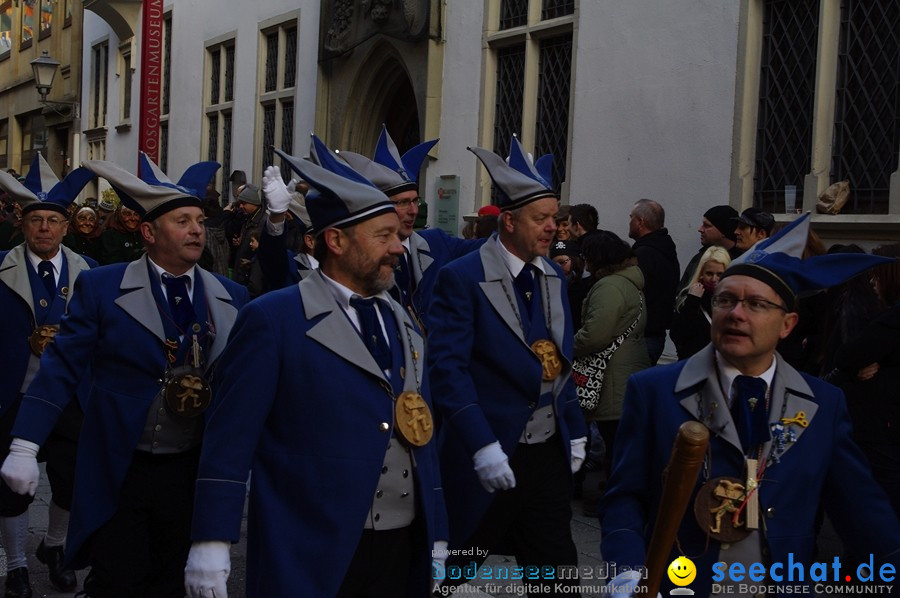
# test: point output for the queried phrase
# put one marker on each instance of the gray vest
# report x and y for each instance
(394, 504)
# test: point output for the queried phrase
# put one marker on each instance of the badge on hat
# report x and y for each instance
(42, 190)
(519, 179)
(153, 194)
(387, 170)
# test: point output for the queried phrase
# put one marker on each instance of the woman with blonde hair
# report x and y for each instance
(693, 312)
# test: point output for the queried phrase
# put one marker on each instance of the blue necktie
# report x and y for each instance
(371, 332)
(45, 270)
(179, 301)
(402, 277)
(751, 416)
(525, 284)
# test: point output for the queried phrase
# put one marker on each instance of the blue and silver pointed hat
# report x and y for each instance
(42, 189)
(340, 197)
(387, 170)
(153, 194)
(519, 180)
(777, 262)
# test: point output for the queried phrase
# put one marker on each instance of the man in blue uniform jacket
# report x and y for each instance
(326, 398)
(35, 278)
(425, 252)
(780, 440)
(501, 353)
(148, 332)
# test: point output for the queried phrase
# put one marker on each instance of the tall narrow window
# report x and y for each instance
(533, 75)
(867, 102)
(99, 66)
(29, 18)
(220, 100)
(278, 46)
(46, 20)
(126, 80)
(5, 27)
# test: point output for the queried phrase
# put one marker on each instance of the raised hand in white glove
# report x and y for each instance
(492, 467)
(20, 469)
(278, 195)
(207, 570)
(624, 585)
(579, 450)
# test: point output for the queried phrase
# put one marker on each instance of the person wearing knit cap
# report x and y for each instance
(782, 436)
(501, 355)
(35, 278)
(716, 230)
(325, 387)
(425, 252)
(146, 334)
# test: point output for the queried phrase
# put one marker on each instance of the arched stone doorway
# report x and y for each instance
(382, 93)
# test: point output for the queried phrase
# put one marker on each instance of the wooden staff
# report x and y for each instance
(679, 479)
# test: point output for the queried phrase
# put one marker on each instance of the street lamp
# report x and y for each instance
(44, 69)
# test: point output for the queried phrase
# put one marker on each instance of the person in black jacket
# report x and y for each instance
(693, 309)
(658, 260)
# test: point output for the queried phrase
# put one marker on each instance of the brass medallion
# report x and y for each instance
(412, 418)
(187, 392)
(549, 356)
(715, 507)
(41, 337)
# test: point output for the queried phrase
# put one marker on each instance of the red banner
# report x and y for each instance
(151, 78)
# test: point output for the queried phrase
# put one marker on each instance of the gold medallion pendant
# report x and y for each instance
(41, 337)
(715, 507)
(187, 392)
(412, 418)
(549, 356)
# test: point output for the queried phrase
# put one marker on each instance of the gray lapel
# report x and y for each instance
(305, 268)
(700, 370)
(413, 349)
(76, 265)
(788, 386)
(334, 331)
(222, 313)
(419, 258)
(498, 287)
(137, 299)
(14, 274)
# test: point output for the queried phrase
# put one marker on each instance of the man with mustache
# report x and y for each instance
(147, 333)
(35, 278)
(782, 434)
(500, 364)
(326, 398)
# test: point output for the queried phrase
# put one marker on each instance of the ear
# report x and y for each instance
(788, 324)
(507, 221)
(335, 240)
(147, 232)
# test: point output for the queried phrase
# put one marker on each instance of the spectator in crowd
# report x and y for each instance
(83, 236)
(121, 241)
(693, 307)
(658, 260)
(613, 313)
(562, 224)
(583, 219)
(753, 225)
(716, 230)
(868, 370)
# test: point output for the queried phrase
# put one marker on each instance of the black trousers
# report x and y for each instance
(380, 565)
(142, 550)
(533, 520)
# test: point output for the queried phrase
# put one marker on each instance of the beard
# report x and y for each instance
(370, 274)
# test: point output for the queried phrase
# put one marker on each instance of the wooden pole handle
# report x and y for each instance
(679, 479)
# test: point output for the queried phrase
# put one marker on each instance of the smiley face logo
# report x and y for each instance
(682, 571)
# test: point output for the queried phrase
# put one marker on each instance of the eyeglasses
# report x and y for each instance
(757, 305)
(405, 203)
(38, 221)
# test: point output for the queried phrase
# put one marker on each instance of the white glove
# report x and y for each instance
(438, 562)
(624, 584)
(579, 450)
(278, 196)
(20, 469)
(492, 467)
(207, 570)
